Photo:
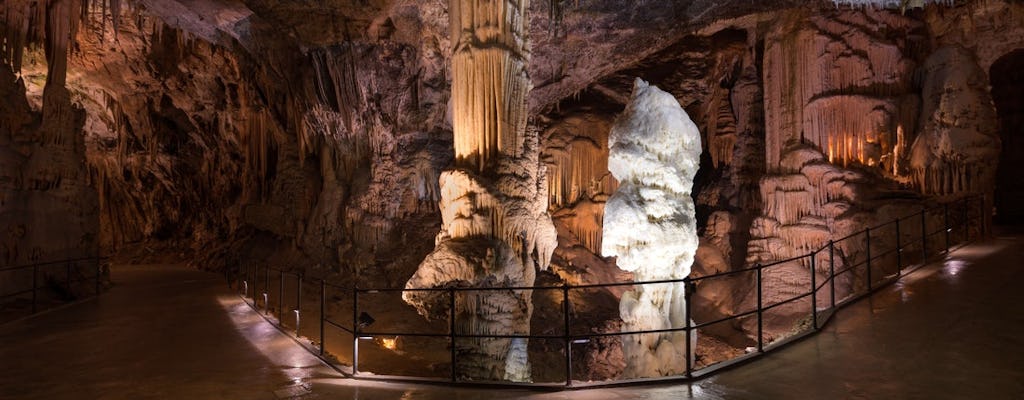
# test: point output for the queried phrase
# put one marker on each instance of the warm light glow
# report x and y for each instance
(390, 344)
(489, 80)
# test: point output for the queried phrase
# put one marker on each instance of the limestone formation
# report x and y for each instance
(338, 138)
(47, 202)
(495, 230)
(959, 136)
(650, 225)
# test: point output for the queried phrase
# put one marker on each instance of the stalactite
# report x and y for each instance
(53, 23)
(844, 125)
(835, 83)
(489, 83)
(335, 80)
(17, 17)
(721, 131)
(579, 171)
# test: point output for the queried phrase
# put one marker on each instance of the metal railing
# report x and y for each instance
(58, 275)
(866, 261)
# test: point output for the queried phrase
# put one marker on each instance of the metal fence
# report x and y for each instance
(60, 277)
(865, 261)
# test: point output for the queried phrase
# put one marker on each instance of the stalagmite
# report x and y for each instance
(495, 228)
(650, 225)
(959, 139)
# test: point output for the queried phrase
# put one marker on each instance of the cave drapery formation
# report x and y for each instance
(316, 136)
(495, 228)
(650, 226)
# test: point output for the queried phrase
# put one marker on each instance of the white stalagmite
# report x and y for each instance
(649, 224)
(495, 229)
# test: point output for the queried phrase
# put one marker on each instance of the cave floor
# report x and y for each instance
(952, 329)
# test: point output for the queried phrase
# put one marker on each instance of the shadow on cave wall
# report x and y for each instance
(1007, 78)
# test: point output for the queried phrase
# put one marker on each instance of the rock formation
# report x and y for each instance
(650, 225)
(959, 129)
(47, 201)
(495, 228)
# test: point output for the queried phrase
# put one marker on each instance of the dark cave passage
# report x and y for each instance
(1007, 76)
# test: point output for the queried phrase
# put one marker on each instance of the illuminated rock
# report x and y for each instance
(495, 230)
(649, 225)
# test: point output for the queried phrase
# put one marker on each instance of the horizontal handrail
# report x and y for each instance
(55, 262)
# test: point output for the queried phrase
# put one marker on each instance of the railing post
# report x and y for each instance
(266, 291)
(832, 272)
(256, 286)
(35, 279)
(67, 277)
(760, 311)
(298, 303)
(355, 330)
(688, 327)
(451, 331)
(323, 301)
(965, 223)
(982, 218)
(565, 331)
(899, 251)
(867, 236)
(945, 221)
(924, 238)
(280, 300)
(99, 270)
(814, 291)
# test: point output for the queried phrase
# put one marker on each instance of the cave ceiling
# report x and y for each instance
(574, 42)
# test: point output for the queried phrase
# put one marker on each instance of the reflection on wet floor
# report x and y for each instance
(950, 330)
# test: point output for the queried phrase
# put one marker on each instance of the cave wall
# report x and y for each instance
(1007, 77)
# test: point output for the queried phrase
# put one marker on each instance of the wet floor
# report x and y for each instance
(952, 330)
(163, 332)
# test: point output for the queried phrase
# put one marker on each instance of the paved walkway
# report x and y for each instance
(163, 332)
(952, 330)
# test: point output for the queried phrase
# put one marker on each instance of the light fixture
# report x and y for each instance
(580, 341)
(364, 320)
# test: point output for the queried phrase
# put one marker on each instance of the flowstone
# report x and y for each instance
(649, 224)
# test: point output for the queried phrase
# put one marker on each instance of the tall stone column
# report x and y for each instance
(495, 228)
(650, 226)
